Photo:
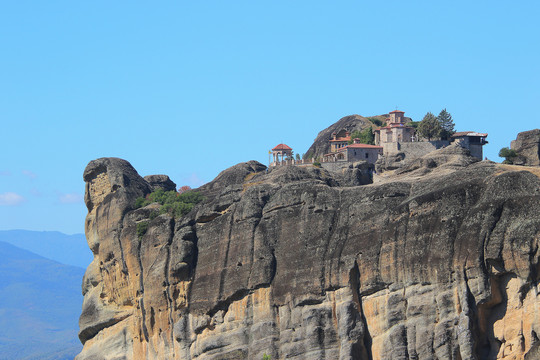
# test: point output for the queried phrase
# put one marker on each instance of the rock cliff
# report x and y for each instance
(527, 147)
(437, 262)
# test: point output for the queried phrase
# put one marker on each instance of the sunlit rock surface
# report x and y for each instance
(527, 147)
(437, 262)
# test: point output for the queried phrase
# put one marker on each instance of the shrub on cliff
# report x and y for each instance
(172, 202)
(508, 154)
(142, 227)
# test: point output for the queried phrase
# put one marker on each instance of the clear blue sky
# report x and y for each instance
(190, 88)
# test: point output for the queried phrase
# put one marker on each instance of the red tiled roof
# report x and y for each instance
(397, 111)
(469, 133)
(282, 147)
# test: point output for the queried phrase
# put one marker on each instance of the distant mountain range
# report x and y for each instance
(40, 301)
(54, 245)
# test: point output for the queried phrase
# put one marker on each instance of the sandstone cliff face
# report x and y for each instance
(440, 262)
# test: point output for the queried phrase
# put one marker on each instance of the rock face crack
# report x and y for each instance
(141, 294)
(362, 349)
(168, 295)
(225, 258)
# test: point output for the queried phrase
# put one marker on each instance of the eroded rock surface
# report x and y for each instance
(160, 182)
(527, 146)
(440, 262)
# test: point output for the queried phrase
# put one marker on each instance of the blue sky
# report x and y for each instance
(190, 88)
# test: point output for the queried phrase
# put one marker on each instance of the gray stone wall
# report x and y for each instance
(335, 166)
(360, 155)
(390, 148)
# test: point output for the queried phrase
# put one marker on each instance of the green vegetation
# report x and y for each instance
(366, 136)
(172, 202)
(447, 124)
(508, 154)
(429, 127)
(355, 134)
(317, 163)
(414, 124)
(375, 121)
(266, 357)
(142, 228)
(154, 214)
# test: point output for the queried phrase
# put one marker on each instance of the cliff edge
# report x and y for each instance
(437, 262)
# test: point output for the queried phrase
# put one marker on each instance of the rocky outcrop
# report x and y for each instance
(404, 154)
(160, 182)
(351, 173)
(439, 262)
(451, 157)
(527, 147)
(390, 162)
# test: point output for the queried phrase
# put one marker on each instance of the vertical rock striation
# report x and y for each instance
(439, 262)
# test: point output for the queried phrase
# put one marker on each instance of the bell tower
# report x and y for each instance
(396, 117)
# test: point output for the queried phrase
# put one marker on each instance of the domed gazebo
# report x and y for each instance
(282, 151)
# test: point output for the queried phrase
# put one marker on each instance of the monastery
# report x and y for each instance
(394, 138)
(340, 150)
(395, 130)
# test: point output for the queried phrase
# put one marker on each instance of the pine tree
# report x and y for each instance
(447, 124)
(429, 127)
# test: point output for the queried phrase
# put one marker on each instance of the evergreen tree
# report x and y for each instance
(355, 134)
(447, 124)
(366, 136)
(429, 127)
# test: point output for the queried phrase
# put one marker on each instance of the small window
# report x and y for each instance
(367, 155)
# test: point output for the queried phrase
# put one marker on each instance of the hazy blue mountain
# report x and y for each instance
(66, 249)
(40, 303)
